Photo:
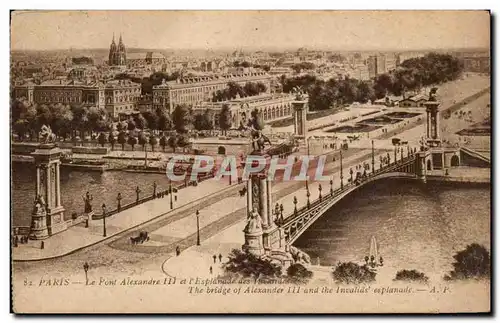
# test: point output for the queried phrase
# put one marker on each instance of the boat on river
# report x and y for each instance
(374, 259)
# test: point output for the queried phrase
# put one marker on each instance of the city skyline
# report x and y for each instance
(265, 30)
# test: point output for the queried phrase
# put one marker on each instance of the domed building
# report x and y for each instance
(117, 54)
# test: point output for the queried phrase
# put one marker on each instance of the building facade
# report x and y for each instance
(195, 90)
(117, 97)
(271, 107)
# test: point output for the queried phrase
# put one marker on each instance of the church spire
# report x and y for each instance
(113, 41)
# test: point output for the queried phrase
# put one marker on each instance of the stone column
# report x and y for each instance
(270, 219)
(48, 197)
(37, 191)
(428, 124)
(263, 201)
(249, 197)
(436, 116)
(58, 184)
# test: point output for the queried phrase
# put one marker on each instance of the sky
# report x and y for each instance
(336, 30)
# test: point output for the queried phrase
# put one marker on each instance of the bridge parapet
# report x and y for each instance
(297, 222)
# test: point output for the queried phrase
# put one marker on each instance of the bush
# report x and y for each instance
(352, 273)
(471, 263)
(411, 276)
(249, 265)
(299, 273)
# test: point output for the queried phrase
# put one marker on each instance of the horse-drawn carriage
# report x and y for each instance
(141, 238)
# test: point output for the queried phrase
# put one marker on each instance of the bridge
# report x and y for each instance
(297, 223)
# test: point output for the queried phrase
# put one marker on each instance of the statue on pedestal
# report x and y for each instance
(87, 199)
(40, 205)
(255, 125)
(432, 94)
(46, 135)
(254, 223)
(299, 93)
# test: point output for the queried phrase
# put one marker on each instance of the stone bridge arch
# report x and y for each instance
(294, 229)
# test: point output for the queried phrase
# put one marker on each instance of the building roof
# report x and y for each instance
(214, 79)
(418, 97)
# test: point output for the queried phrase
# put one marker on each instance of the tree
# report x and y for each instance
(181, 118)
(163, 142)
(173, 142)
(203, 121)
(102, 139)
(251, 89)
(261, 87)
(122, 139)
(143, 140)
(471, 263)
(233, 90)
(249, 265)
(164, 122)
(365, 92)
(20, 127)
(257, 122)
(132, 141)
(152, 119)
(225, 118)
(299, 273)
(352, 273)
(131, 125)
(153, 141)
(95, 115)
(112, 139)
(183, 141)
(411, 276)
(140, 121)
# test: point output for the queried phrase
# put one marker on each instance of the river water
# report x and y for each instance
(416, 225)
(104, 188)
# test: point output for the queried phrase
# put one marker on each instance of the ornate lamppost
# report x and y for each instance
(104, 220)
(86, 269)
(373, 157)
(276, 212)
(170, 193)
(351, 172)
(137, 192)
(308, 194)
(341, 172)
(119, 201)
(281, 213)
(320, 189)
(197, 227)
(331, 186)
(295, 205)
(154, 189)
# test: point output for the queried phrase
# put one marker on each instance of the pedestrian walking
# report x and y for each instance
(220, 258)
(42, 245)
(211, 270)
(215, 258)
(177, 250)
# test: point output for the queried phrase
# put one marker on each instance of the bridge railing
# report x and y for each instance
(299, 212)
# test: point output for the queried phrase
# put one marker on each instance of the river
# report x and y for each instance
(104, 188)
(416, 225)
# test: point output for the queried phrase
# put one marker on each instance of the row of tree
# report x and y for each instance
(411, 75)
(174, 141)
(147, 83)
(233, 90)
(70, 121)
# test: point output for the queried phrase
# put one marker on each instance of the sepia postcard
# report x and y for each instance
(250, 162)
